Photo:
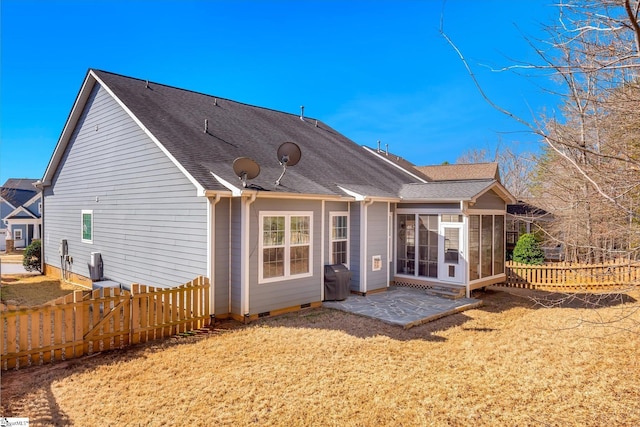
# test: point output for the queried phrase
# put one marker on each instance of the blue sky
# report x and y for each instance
(373, 70)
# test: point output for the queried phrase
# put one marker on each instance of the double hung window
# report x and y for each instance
(339, 238)
(285, 245)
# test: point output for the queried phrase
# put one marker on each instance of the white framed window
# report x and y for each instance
(286, 246)
(339, 238)
(87, 226)
(17, 234)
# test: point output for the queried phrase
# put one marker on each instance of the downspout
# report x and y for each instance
(229, 237)
(246, 234)
(322, 262)
(363, 245)
(211, 269)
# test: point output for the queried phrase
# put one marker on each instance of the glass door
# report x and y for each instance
(451, 260)
(406, 246)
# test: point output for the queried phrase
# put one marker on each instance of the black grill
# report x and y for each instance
(337, 280)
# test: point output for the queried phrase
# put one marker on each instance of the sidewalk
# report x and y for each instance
(11, 258)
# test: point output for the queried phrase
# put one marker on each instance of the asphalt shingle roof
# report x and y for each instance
(445, 190)
(176, 117)
(459, 172)
(20, 184)
(17, 197)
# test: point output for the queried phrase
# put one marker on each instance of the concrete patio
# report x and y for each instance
(402, 306)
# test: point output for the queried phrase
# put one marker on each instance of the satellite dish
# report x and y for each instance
(288, 155)
(245, 168)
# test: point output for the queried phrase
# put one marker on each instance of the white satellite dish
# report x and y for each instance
(245, 168)
(289, 154)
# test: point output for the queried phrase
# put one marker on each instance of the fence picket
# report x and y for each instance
(36, 337)
(87, 322)
(23, 340)
(571, 277)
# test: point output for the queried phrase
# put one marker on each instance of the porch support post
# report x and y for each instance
(363, 245)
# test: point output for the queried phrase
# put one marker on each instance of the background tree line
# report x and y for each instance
(588, 171)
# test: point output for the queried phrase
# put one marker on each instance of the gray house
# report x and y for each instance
(20, 213)
(148, 176)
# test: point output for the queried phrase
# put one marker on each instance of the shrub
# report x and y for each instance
(32, 258)
(528, 251)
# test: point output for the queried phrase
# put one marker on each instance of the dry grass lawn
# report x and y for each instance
(508, 363)
(30, 290)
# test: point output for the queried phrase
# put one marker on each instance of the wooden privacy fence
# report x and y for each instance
(564, 276)
(86, 322)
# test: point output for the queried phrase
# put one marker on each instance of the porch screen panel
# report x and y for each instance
(487, 245)
(498, 245)
(428, 246)
(406, 244)
(474, 247)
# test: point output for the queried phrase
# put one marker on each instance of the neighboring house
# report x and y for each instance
(523, 217)
(20, 213)
(143, 174)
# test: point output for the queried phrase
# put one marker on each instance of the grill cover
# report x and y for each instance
(337, 280)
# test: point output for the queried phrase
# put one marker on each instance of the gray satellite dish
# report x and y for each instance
(245, 168)
(288, 155)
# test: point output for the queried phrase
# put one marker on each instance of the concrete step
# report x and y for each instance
(447, 291)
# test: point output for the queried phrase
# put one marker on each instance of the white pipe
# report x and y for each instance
(322, 237)
(230, 257)
(211, 244)
(246, 234)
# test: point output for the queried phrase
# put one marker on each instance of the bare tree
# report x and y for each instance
(515, 168)
(588, 176)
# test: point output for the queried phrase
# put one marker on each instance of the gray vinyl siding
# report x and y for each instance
(377, 217)
(236, 256)
(148, 223)
(264, 297)
(490, 200)
(33, 207)
(221, 267)
(354, 262)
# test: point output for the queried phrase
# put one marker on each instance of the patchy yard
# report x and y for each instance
(507, 363)
(30, 290)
